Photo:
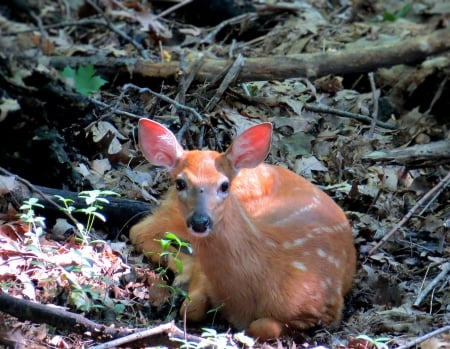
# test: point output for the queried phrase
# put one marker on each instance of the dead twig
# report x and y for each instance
(375, 94)
(417, 155)
(441, 184)
(117, 31)
(230, 76)
(164, 98)
(276, 101)
(423, 338)
(432, 284)
(169, 328)
(173, 8)
(437, 95)
(231, 21)
(346, 114)
(186, 81)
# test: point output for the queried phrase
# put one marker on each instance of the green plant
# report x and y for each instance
(94, 200)
(379, 343)
(392, 17)
(83, 79)
(215, 311)
(172, 246)
(213, 339)
(36, 224)
(172, 240)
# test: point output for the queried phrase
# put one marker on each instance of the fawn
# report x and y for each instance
(271, 249)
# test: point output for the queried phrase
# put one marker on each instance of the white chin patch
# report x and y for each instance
(199, 234)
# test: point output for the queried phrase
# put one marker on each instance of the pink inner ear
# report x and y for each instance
(158, 144)
(251, 147)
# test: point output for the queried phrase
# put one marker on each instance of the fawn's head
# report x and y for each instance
(203, 179)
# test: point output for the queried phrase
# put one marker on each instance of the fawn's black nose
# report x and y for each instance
(199, 223)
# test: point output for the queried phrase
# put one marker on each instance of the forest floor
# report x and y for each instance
(359, 97)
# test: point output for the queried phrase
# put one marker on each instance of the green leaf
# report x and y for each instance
(388, 16)
(165, 244)
(403, 11)
(83, 79)
(99, 216)
(179, 265)
(174, 238)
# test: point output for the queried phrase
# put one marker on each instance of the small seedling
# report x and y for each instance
(94, 200)
(172, 240)
(392, 17)
(83, 80)
(36, 224)
(379, 343)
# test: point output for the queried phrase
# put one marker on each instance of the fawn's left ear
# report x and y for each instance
(158, 144)
(251, 147)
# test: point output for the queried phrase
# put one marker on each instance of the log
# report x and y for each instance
(119, 213)
(311, 65)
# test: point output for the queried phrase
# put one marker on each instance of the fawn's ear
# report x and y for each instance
(158, 144)
(251, 147)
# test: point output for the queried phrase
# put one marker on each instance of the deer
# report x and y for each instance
(271, 250)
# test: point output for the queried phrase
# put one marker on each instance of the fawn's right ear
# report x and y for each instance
(251, 147)
(158, 144)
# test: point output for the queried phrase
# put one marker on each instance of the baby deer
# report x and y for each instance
(272, 250)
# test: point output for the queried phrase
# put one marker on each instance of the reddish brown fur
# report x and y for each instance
(280, 254)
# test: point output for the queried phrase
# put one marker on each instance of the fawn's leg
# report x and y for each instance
(196, 305)
(166, 218)
(265, 329)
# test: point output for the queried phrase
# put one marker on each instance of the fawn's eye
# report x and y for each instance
(224, 187)
(180, 184)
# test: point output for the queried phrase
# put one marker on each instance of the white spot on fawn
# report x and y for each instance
(299, 265)
(331, 228)
(321, 253)
(296, 243)
(313, 204)
(334, 261)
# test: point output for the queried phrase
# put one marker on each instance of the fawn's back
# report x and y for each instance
(273, 250)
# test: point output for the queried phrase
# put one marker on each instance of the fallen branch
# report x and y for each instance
(317, 108)
(406, 51)
(57, 317)
(168, 328)
(442, 275)
(423, 338)
(416, 155)
(119, 212)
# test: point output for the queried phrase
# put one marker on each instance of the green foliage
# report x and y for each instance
(36, 224)
(379, 343)
(94, 200)
(83, 297)
(213, 339)
(172, 240)
(83, 79)
(392, 17)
